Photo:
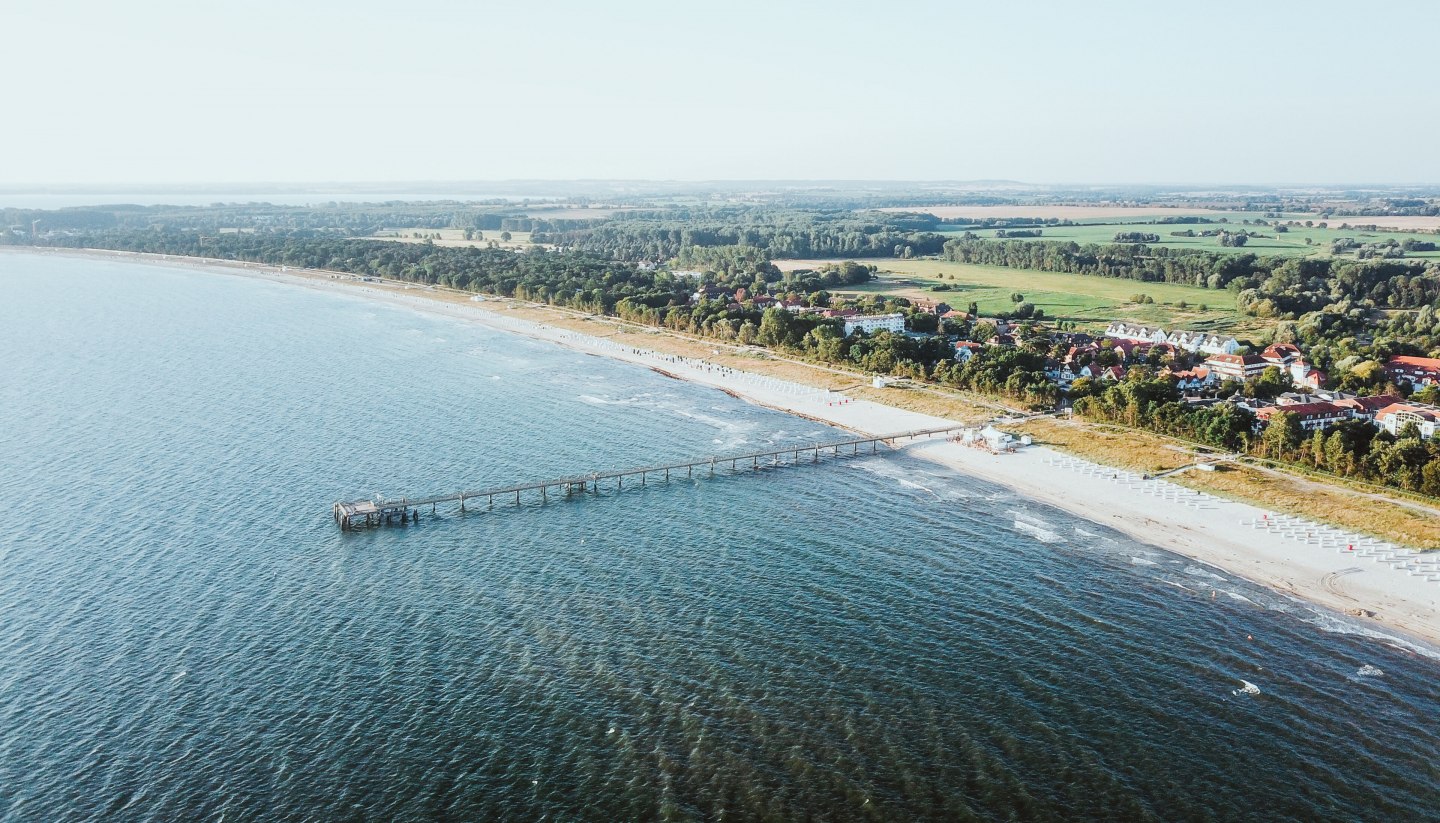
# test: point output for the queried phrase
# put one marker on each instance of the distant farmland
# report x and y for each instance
(1062, 212)
(1290, 243)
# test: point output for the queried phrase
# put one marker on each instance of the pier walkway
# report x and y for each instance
(379, 510)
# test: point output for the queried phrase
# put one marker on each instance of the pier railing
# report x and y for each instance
(381, 510)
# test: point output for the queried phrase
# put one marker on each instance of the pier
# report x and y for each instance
(357, 514)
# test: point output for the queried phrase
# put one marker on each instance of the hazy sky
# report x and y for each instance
(1240, 92)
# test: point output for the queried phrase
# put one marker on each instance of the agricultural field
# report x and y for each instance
(1092, 212)
(1282, 244)
(1091, 302)
(453, 237)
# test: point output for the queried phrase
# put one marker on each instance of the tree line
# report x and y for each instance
(1354, 449)
(775, 233)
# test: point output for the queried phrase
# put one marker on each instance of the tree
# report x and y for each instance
(1281, 436)
(776, 328)
(1083, 387)
(1268, 384)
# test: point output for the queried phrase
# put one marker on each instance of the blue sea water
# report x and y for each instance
(186, 635)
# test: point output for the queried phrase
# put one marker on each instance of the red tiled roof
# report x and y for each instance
(1369, 404)
(1237, 359)
(1302, 409)
(1428, 414)
(1430, 363)
(1281, 350)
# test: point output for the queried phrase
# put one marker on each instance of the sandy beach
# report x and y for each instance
(1378, 585)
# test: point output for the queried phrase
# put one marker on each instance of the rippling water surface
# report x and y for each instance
(185, 635)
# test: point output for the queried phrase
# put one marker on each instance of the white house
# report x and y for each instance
(1215, 344)
(1188, 340)
(964, 350)
(1144, 334)
(1396, 416)
(1236, 366)
(871, 323)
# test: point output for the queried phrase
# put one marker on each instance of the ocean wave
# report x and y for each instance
(1039, 533)
(1332, 623)
(1196, 571)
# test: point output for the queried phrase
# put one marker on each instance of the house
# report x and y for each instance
(1288, 358)
(929, 306)
(1397, 416)
(871, 323)
(1163, 350)
(1127, 349)
(1316, 415)
(1236, 366)
(1307, 377)
(1189, 380)
(1364, 408)
(964, 350)
(839, 313)
(1188, 340)
(957, 316)
(1282, 354)
(1140, 334)
(1084, 352)
(707, 293)
(1416, 371)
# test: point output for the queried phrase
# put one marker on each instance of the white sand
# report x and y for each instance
(1390, 585)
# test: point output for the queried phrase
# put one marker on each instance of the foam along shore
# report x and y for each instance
(1379, 583)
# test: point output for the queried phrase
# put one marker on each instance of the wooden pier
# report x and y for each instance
(381, 511)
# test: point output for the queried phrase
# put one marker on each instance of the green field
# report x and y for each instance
(1287, 244)
(1090, 301)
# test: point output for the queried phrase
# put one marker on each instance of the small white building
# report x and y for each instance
(871, 323)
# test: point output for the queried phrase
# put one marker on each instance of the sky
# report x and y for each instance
(116, 92)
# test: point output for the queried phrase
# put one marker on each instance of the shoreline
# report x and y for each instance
(1302, 559)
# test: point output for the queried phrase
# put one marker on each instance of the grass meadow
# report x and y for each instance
(1092, 302)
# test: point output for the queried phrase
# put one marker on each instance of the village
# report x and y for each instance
(1206, 368)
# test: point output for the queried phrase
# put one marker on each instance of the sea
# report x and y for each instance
(185, 634)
